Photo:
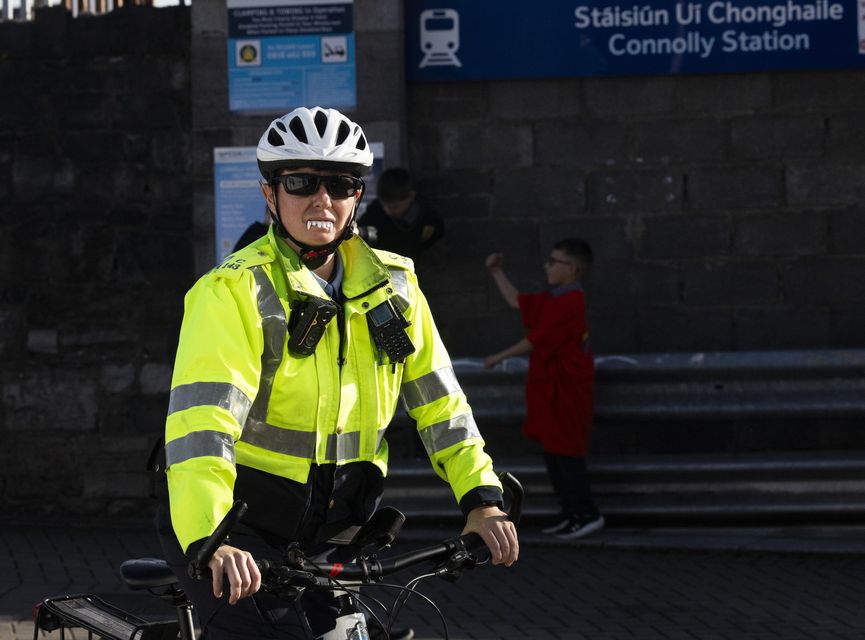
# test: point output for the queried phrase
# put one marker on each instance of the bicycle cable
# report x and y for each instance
(405, 595)
(381, 605)
(408, 591)
(357, 595)
(360, 598)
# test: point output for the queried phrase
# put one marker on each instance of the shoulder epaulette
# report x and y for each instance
(236, 263)
(394, 260)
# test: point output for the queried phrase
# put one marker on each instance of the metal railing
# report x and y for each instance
(694, 386)
(751, 436)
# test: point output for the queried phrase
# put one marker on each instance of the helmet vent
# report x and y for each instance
(274, 138)
(321, 122)
(279, 124)
(297, 129)
(361, 143)
(342, 132)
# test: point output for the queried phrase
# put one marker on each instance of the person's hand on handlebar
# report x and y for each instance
(499, 533)
(239, 567)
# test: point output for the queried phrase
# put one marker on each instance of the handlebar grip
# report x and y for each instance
(205, 553)
(513, 488)
(473, 542)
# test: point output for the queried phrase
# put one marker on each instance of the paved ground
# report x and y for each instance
(756, 584)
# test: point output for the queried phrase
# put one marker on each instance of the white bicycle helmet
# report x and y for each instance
(317, 137)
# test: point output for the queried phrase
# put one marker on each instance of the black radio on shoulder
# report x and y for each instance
(387, 326)
(307, 324)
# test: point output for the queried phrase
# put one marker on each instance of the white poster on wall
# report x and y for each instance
(237, 195)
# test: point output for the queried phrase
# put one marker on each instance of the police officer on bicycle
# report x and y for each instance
(292, 356)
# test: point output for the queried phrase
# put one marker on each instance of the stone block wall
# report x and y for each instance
(95, 221)
(724, 210)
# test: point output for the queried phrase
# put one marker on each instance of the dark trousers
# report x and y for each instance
(259, 616)
(570, 480)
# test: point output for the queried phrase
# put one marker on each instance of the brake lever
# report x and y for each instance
(459, 561)
(296, 578)
(285, 582)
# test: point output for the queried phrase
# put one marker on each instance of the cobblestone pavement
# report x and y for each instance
(593, 591)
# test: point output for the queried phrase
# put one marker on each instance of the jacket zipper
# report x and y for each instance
(340, 326)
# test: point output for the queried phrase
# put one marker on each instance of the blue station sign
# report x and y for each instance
(489, 39)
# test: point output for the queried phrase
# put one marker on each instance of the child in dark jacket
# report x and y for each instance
(560, 378)
(397, 220)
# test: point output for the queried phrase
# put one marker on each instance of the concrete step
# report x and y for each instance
(666, 489)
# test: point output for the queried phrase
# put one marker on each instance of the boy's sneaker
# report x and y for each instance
(581, 527)
(559, 526)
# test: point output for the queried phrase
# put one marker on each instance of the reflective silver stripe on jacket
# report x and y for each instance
(273, 329)
(378, 438)
(301, 444)
(441, 435)
(399, 281)
(198, 444)
(429, 387)
(217, 394)
(346, 446)
(342, 446)
(291, 442)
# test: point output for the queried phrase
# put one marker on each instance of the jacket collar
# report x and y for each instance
(362, 270)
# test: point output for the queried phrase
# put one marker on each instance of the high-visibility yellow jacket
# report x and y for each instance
(239, 397)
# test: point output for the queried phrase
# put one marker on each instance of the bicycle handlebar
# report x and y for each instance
(373, 569)
(459, 548)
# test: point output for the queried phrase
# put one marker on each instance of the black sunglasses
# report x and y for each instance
(307, 184)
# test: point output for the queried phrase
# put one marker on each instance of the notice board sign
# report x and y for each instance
(284, 54)
(496, 39)
(237, 195)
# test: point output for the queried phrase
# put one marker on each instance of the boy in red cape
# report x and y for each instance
(560, 378)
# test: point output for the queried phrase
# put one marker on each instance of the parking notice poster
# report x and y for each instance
(288, 53)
